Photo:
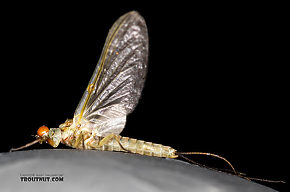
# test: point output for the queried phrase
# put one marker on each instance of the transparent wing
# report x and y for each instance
(117, 82)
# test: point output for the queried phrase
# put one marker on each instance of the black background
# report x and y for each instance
(217, 78)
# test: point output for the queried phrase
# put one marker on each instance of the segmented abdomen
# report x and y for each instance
(139, 147)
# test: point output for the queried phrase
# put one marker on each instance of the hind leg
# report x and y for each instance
(108, 138)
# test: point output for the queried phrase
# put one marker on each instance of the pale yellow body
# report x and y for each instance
(78, 139)
(119, 143)
(137, 146)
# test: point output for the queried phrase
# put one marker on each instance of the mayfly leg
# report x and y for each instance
(25, 146)
(108, 138)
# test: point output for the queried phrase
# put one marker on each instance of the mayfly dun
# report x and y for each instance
(112, 93)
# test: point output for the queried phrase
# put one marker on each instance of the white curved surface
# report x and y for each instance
(113, 171)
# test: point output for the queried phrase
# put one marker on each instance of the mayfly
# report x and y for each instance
(112, 93)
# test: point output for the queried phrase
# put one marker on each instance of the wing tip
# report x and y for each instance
(134, 14)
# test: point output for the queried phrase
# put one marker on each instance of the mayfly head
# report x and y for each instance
(51, 136)
(42, 132)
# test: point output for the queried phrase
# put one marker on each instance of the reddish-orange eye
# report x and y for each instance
(42, 130)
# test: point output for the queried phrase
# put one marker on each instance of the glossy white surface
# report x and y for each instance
(112, 171)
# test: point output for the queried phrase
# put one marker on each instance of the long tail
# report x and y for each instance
(181, 154)
(242, 175)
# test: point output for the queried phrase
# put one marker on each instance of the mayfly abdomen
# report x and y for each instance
(140, 147)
